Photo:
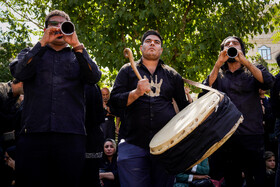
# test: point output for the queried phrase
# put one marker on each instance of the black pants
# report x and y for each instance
(242, 153)
(49, 159)
(90, 176)
(108, 128)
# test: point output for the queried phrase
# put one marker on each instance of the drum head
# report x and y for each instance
(182, 124)
(204, 140)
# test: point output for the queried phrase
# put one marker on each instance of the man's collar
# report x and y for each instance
(140, 62)
(65, 48)
(225, 67)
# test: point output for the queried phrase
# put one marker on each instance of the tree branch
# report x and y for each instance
(185, 20)
(23, 16)
(180, 34)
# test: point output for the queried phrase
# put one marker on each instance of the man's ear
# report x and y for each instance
(45, 29)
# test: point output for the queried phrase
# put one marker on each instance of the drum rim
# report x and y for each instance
(217, 145)
(161, 148)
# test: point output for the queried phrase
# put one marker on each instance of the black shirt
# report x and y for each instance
(149, 113)
(243, 89)
(54, 88)
(275, 102)
(94, 118)
(275, 96)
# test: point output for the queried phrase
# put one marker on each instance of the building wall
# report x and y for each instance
(264, 40)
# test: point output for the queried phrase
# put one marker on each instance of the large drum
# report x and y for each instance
(196, 132)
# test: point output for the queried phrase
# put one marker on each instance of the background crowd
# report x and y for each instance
(58, 128)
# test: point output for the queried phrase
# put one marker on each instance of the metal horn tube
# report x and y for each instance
(232, 52)
(67, 28)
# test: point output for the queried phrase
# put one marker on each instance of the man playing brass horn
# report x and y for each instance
(148, 107)
(241, 81)
(51, 144)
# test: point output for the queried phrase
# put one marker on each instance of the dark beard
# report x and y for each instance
(151, 57)
(231, 60)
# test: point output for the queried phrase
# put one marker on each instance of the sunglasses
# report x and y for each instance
(54, 23)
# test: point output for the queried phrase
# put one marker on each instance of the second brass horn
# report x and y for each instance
(67, 28)
(232, 52)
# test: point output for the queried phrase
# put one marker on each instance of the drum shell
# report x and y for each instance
(187, 152)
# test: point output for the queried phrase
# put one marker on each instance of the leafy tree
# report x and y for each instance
(192, 29)
(276, 36)
(15, 36)
(276, 23)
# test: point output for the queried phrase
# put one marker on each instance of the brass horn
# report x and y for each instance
(67, 28)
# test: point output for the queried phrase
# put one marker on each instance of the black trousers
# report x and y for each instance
(90, 176)
(241, 153)
(49, 160)
(108, 128)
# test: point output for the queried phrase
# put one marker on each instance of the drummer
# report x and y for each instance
(241, 80)
(148, 107)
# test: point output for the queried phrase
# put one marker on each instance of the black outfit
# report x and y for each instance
(108, 126)
(10, 112)
(51, 145)
(10, 108)
(275, 103)
(270, 178)
(106, 166)
(148, 114)
(143, 119)
(95, 139)
(244, 150)
(270, 139)
(53, 80)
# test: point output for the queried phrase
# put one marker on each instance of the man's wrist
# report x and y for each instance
(79, 47)
(218, 64)
(246, 63)
(42, 43)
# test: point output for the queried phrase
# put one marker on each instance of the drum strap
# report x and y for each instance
(202, 86)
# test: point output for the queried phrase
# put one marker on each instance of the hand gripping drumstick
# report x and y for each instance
(128, 54)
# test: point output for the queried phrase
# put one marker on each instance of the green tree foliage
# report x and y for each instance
(276, 23)
(192, 29)
(15, 33)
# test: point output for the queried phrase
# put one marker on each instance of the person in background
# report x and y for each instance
(270, 140)
(108, 172)
(10, 116)
(270, 167)
(10, 104)
(109, 127)
(198, 173)
(52, 131)
(95, 137)
(275, 103)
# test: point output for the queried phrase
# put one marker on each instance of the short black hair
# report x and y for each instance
(151, 32)
(278, 59)
(56, 13)
(239, 40)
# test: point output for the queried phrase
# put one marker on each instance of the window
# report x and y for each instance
(265, 52)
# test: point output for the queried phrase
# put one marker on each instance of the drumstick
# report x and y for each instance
(128, 54)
